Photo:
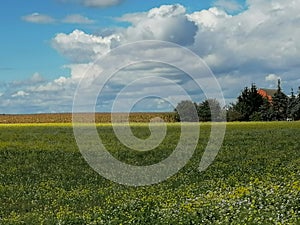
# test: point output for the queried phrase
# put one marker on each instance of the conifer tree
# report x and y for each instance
(248, 102)
(279, 104)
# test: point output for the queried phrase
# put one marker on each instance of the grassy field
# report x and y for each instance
(255, 178)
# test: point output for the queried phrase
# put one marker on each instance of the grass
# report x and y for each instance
(254, 179)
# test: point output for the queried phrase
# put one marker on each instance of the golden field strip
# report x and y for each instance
(67, 117)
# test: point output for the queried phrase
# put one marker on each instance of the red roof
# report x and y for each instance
(267, 93)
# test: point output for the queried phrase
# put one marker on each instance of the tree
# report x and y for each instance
(291, 104)
(279, 104)
(209, 109)
(265, 111)
(186, 111)
(248, 102)
(233, 114)
(295, 107)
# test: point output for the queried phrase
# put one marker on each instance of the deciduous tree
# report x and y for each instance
(186, 111)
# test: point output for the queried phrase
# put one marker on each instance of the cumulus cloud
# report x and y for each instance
(255, 42)
(240, 49)
(167, 23)
(209, 19)
(81, 47)
(77, 19)
(174, 26)
(38, 18)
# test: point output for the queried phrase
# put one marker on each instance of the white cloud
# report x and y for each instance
(167, 11)
(61, 81)
(81, 47)
(77, 19)
(167, 23)
(174, 26)
(240, 49)
(209, 18)
(272, 78)
(88, 70)
(38, 18)
(20, 94)
(260, 40)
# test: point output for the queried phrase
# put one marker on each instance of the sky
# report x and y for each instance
(49, 47)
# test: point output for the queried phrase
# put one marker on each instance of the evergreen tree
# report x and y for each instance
(279, 104)
(291, 104)
(295, 108)
(265, 111)
(248, 103)
(209, 109)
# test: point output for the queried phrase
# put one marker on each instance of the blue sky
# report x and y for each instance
(46, 46)
(26, 46)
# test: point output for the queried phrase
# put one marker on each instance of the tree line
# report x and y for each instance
(250, 106)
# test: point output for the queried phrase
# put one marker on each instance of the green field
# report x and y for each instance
(255, 178)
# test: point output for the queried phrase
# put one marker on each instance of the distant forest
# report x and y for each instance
(252, 105)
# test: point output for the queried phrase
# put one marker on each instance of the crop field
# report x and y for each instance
(255, 178)
(67, 117)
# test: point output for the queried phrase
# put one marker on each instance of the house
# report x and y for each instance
(267, 93)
